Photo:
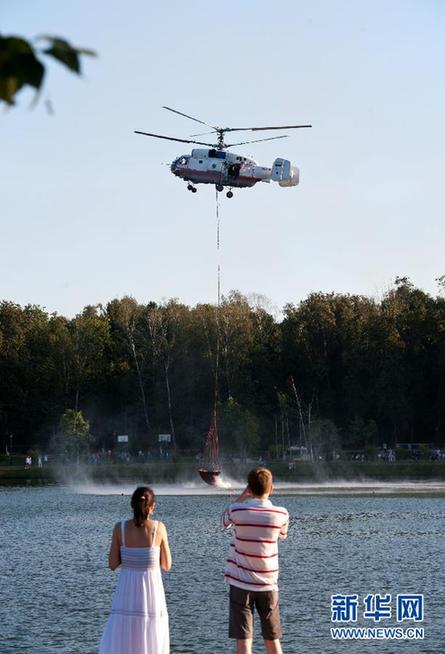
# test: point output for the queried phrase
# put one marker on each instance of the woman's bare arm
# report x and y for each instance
(166, 557)
(114, 557)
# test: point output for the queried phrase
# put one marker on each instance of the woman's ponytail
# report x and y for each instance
(141, 501)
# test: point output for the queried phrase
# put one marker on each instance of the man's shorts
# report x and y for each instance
(242, 604)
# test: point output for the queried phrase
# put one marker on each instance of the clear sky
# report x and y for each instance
(88, 213)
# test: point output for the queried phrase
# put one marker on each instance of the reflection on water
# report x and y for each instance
(56, 589)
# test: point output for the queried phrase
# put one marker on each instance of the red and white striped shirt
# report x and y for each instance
(253, 553)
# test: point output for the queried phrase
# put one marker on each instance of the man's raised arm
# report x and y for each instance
(283, 531)
(226, 518)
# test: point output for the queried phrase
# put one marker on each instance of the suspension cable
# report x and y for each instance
(218, 252)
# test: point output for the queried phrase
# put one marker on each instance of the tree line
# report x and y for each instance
(336, 370)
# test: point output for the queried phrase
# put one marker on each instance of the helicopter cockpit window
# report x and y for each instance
(182, 161)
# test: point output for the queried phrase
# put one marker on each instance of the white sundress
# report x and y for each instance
(138, 623)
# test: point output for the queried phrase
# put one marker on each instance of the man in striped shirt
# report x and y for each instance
(252, 566)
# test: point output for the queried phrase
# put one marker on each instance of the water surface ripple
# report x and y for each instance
(56, 589)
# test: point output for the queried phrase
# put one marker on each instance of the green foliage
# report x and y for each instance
(366, 372)
(371, 453)
(324, 439)
(360, 433)
(275, 451)
(65, 53)
(425, 451)
(72, 423)
(20, 65)
(74, 433)
(238, 429)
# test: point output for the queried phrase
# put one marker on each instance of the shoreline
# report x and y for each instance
(339, 478)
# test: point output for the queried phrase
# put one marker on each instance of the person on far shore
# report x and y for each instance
(139, 621)
(252, 566)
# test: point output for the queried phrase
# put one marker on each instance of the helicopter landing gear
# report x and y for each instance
(191, 188)
(229, 194)
(219, 187)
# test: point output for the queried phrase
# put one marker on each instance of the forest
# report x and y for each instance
(354, 371)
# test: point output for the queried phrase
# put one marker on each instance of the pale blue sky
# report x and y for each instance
(89, 214)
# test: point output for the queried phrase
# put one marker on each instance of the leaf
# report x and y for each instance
(18, 67)
(65, 53)
(87, 51)
(8, 88)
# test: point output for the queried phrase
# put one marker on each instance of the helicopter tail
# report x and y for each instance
(284, 173)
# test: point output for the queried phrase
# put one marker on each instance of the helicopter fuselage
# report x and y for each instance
(223, 168)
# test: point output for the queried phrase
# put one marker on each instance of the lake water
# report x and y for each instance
(56, 588)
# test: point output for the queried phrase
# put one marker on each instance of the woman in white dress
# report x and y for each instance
(138, 623)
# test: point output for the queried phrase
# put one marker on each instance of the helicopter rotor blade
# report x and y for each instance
(271, 138)
(171, 138)
(204, 133)
(260, 129)
(175, 111)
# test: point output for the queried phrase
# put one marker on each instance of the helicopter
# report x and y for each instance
(214, 164)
